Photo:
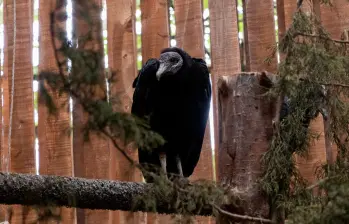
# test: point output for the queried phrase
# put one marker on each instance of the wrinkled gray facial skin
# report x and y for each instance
(170, 63)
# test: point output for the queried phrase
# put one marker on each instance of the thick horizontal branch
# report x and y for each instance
(42, 190)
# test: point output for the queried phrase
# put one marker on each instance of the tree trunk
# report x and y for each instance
(245, 130)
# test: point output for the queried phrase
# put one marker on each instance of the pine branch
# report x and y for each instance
(320, 37)
(241, 217)
(322, 181)
(74, 93)
(326, 83)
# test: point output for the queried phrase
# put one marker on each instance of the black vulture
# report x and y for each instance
(173, 93)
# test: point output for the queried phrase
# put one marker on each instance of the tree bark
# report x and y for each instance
(245, 132)
(44, 190)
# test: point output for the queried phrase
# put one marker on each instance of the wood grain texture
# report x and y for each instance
(316, 155)
(280, 7)
(122, 59)
(155, 28)
(289, 9)
(22, 158)
(189, 36)
(259, 34)
(189, 26)
(335, 20)
(225, 52)
(55, 149)
(5, 105)
(246, 131)
(92, 158)
(155, 37)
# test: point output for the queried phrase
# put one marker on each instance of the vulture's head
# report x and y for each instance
(171, 61)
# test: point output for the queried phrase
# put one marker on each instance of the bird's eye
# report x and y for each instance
(173, 60)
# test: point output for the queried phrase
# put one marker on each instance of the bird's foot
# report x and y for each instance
(162, 157)
(324, 113)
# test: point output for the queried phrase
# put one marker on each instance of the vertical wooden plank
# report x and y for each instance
(189, 26)
(280, 6)
(155, 28)
(5, 106)
(316, 153)
(122, 59)
(225, 52)
(260, 34)
(336, 21)
(189, 36)
(55, 151)
(285, 11)
(316, 156)
(22, 158)
(91, 159)
(155, 37)
(289, 9)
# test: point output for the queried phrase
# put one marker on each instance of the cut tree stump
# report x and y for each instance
(245, 132)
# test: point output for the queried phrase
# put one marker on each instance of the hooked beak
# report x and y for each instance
(161, 70)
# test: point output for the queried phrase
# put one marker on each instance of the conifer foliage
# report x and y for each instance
(314, 62)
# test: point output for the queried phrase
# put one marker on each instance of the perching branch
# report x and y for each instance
(44, 190)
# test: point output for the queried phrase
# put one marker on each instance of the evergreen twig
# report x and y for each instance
(241, 217)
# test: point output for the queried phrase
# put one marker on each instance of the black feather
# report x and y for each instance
(178, 108)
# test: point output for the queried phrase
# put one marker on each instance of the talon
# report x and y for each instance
(324, 113)
(162, 157)
(179, 166)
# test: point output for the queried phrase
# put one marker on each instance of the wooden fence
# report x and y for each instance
(235, 35)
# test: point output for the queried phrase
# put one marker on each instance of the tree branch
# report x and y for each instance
(60, 191)
(241, 217)
(322, 181)
(321, 37)
(326, 83)
(44, 190)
